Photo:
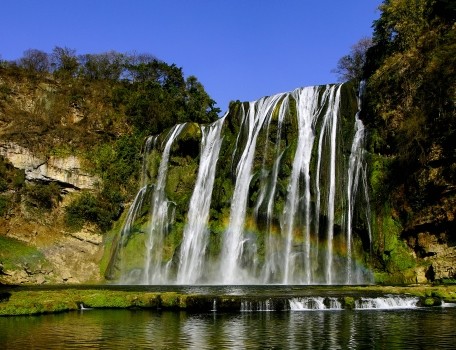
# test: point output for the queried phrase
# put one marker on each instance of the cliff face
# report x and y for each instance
(36, 244)
(430, 229)
(66, 171)
(409, 110)
(44, 168)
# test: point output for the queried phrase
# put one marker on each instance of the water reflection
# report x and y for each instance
(431, 328)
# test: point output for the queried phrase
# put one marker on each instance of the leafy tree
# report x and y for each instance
(64, 61)
(350, 67)
(199, 106)
(104, 66)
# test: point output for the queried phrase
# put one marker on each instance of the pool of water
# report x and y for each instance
(420, 328)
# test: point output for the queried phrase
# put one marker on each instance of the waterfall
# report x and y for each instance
(332, 187)
(354, 173)
(356, 176)
(134, 209)
(307, 107)
(314, 303)
(233, 243)
(270, 193)
(153, 269)
(387, 302)
(194, 240)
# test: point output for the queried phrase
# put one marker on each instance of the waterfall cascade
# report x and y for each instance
(273, 194)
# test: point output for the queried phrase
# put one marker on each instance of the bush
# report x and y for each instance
(43, 195)
(4, 204)
(10, 177)
(92, 208)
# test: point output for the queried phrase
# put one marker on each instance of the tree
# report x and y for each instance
(199, 106)
(64, 61)
(35, 60)
(103, 66)
(350, 67)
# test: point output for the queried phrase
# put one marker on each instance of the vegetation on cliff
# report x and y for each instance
(99, 107)
(409, 109)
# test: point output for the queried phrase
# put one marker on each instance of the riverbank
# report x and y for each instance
(33, 301)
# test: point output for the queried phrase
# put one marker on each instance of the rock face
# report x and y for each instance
(67, 171)
(64, 257)
(69, 258)
(75, 257)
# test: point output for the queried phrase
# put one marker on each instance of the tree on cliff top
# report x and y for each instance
(350, 67)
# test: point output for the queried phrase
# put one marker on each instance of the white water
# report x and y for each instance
(153, 269)
(386, 303)
(275, 235)
(307, 106)
(354, 172)
(333, 114)
(194, 242)
(356, 176)
(272, 253)
(233, 241)
(314, 303)
(378, 303)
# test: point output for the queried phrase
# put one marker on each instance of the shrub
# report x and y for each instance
(92, 208)
(43, 195)
(4, 204)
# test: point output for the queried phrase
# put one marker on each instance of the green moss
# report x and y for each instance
(378, 177)
(15, 254)
(181, 180)
(169, 300)
(390, 229)
(349, 302)
(402, 257)
(429, 302)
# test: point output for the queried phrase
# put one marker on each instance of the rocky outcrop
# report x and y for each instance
(71, 258)
(75, 257)
(67, 171)
(438, 253)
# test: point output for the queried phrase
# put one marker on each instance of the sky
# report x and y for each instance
(238, 49)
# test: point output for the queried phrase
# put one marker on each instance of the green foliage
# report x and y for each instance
(14, 253)
(44, 196)
(10, 177)
(409, 110)
(411, 79)
(99, 107)
(4, 205)
(96, 209)
(350, 67)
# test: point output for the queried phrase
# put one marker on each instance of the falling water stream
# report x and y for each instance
(194, 240)
(297, 182)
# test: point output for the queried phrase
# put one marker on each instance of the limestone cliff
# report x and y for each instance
(66, 171)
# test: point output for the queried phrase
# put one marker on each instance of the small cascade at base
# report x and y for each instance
(387, 303)
(314, 303)
(321, 303)
(263, 305)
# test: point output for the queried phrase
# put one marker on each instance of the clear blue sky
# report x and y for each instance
(238, 49)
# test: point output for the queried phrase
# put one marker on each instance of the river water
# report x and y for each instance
(418, 328)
